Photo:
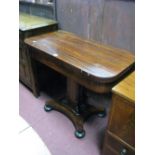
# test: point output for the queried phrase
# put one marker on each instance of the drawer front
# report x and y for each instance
(114, 146)
(122, 119)
(109, 151)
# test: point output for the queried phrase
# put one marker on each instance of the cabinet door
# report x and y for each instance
(122, 119)
(24, 72)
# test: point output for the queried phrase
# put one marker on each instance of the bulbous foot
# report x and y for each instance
(48, 108)
(102, 114)
(79, 134)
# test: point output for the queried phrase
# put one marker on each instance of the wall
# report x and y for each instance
(37, 10)
(105, 21)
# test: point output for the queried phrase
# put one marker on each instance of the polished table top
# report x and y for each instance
(99, 62)
(29, 22)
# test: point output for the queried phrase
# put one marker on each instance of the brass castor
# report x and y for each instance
(79, 134)
(48, 108)
(102, 114)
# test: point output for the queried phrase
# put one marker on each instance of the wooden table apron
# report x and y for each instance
(77, 79)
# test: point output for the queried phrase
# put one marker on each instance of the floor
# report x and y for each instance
(29, 141)
(56, 131)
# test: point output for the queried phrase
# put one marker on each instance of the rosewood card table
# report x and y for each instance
(86, 65)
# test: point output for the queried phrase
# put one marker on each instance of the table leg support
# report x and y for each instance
(77, 120)
(74, 107)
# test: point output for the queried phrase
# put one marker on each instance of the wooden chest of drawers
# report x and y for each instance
(29, 26)
(120, 133)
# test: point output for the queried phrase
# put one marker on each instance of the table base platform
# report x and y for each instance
(78, 115)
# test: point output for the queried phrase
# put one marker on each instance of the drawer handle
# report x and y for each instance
(123, 152)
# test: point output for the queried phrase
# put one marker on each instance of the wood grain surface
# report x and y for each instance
(101, 62)
(126, 87)
(28, 22)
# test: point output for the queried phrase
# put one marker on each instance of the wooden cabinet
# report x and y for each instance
(29, 26)
(120, 133)
(24, 73)
(42, 8)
